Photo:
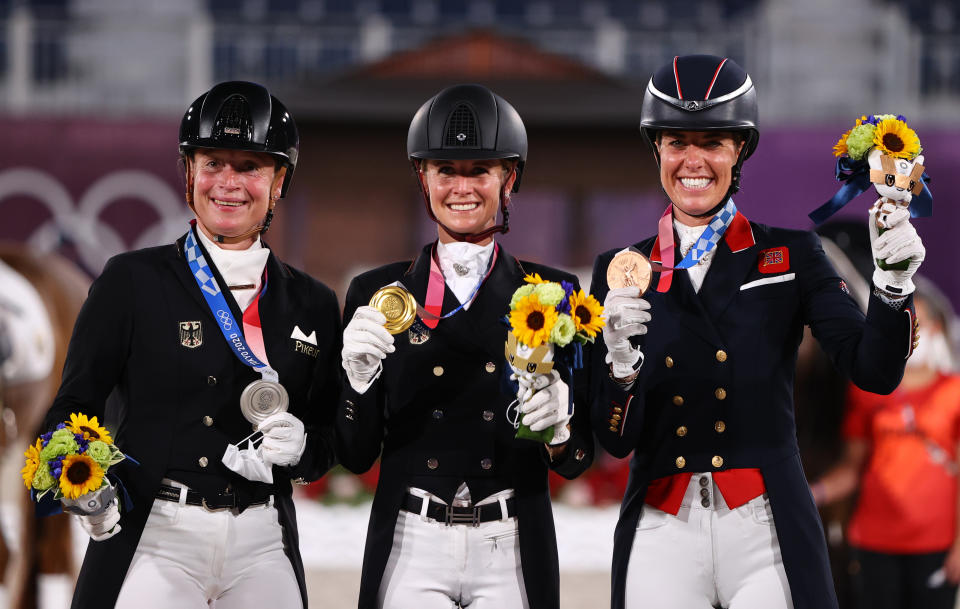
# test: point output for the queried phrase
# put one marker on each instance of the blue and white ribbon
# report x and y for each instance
(230, 327)
(711, 236)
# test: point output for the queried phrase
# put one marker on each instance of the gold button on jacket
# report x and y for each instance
(721, 393)
(720, 426)
(669, 362)
(717, 461)
(681, 431)
(681, 462)
(678, 400)
(721, 355)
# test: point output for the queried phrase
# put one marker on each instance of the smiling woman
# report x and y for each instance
(465, 194)
(183, 336)
(696, 170)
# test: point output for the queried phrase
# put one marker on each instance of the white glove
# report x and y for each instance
(548, 406)
(625, 313)
(97, 511)
(284, 439)
(248, 463)
(899, 241)
(365, 343)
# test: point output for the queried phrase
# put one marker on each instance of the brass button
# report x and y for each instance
(681, 431)
(614, 422)
(720, 426)
(208, 420)
(488, 415)
(612, 428)
(717, 461)
(211, 380)
(616, 417)
(721, 355)
(486, 463)
(579, 454)
(490, 367)
(678, 400)
(438, 414)
(668, 361)
(437, 370)
(203, 461)
(617, 409)
(721, 393)
(681, 462)
(432, 463)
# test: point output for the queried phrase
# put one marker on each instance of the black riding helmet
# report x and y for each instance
(242, 116)
(468, 122)
(702, 93)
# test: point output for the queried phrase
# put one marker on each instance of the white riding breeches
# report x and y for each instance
(708, 555)
(438, 566)
(191, 558)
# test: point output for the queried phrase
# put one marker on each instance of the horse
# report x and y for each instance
(27, 388)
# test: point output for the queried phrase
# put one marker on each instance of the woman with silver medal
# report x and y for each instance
(186, 349)
(462, 513)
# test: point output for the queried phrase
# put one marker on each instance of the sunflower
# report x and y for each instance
(90, 428)
(532, 321)
(895, 138)
(80, 475)
(534, 278)
(32, 462)
(585, 311)
(840, 148)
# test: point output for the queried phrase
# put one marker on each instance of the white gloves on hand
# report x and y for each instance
(548, 406)
(284, 439)
(365, 343)
(625, 313)
(899, 241)
(97, 511)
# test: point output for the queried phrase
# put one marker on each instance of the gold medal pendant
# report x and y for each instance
(397, 305)
(629, 268)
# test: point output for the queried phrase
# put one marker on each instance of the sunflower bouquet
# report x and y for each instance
(549, 324)
(70, 461)
(880, 149)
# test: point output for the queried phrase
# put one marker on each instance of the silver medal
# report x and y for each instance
(261, 399)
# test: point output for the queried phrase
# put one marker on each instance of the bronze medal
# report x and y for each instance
(397, 305)
(629, 268)
(261, 398)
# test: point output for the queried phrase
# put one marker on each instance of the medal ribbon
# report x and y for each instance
(711, 236)
(436, 285)
(231, 330)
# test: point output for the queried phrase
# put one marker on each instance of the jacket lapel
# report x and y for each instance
(733, 261)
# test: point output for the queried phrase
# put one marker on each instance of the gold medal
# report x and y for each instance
(397, 305)
(629, 268)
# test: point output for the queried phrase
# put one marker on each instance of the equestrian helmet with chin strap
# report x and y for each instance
(702, 93)
(468, 122)
(241, 115)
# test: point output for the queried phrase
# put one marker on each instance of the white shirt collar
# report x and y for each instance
(238, 267)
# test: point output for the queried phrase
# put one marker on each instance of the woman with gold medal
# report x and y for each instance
(462, 510)
(183, 350)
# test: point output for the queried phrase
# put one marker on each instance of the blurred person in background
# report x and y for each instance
(462, 514)
(901, 458)
(697, 379)
(212, 521)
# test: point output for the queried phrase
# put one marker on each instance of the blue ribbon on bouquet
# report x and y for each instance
(856, 178)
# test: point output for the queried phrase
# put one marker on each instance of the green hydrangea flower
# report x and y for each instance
(43, 479)
(521, 293)
(563, 331)
(61, 443)
(549, 294)
(99, 452)
(860, 141)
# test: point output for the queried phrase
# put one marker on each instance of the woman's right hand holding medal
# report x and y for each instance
(365, 343)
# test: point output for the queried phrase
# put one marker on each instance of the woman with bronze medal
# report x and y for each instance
(462, 513)
(695, 377)
(195, 356)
